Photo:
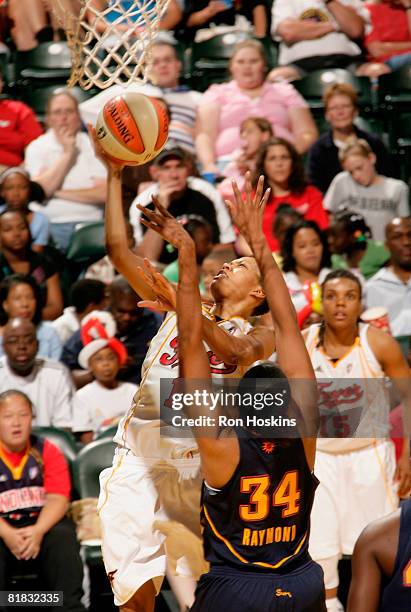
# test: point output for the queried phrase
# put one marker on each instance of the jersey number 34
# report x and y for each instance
(286, 494)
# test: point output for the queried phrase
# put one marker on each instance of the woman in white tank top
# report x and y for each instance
(356, 466)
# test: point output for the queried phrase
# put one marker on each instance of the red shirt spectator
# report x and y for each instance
(308, 203)
(389, 25)
(18, 127)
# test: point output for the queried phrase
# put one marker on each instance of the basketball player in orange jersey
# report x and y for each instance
(381, 565)
(255, 485)
(357, 469)
(150, 471)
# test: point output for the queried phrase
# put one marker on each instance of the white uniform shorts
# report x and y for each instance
(355, 488)
(150, 513)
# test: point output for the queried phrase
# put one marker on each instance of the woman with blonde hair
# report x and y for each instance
(364, 191)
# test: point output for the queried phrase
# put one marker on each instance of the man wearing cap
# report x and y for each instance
(391, 286)
(181, 194)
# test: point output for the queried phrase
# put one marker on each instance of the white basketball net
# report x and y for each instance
(110, 41)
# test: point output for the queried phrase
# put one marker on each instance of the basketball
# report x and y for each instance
(133, 128)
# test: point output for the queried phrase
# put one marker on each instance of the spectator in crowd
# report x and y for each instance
(34, 498)
(103, 269)
(18, 127)
(352, 247)
(341, 109)
(86, 295)
(165, 76)
(63, 162)
(135, 328)
(201, 14)
(285, 217)
(284, 172)
(254, 132)
(317, 34)
(355, 459)
(223, 108)
(389, 42)
(202, 234)
(17, 257)
(181, 195)
(130, 14)
(361, 189)
(306, 260)
(46, 382)
(18, 192)
(101, 403)
(391, 286)
(31, 23)
(20, 298)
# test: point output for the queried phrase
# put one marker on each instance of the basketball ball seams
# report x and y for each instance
(122, 125)
(163, 120)
(132, 128)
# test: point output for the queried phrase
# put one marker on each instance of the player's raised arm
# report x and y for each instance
(123, 258)
(291, 351)
(219, 455)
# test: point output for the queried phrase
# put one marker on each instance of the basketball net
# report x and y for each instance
(110, 40)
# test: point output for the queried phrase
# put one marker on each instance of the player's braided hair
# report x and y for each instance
(331, 276)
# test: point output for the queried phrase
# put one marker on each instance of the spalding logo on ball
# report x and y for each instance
(133, 128)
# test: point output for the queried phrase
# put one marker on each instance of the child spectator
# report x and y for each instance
(20, 298)
(101, 403)
(361, 189)
(306, 260)
(202, 234)
(86, 295)
(254, 132)
(282, 166)
(16, 256)
(18, 192)
(352, 247)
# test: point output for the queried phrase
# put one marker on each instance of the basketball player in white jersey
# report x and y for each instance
(357, 471)
(154, 479)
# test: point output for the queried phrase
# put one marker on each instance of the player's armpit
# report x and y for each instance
(259, 343)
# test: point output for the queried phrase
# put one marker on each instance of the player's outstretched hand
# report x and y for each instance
(164, 290)
(162, 222)
(247, 213)
(100, 153)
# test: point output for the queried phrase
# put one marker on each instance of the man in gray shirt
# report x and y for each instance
(391, 286)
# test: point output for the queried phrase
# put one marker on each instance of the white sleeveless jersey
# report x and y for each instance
(363, 403)
(139, 429)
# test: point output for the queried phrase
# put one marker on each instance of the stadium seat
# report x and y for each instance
(90, 461)
(49, 62)
(210, 58)
(107, 433)
(61, 438)
(400, 142)
(37, 98)
(87, 244)
(312, 86)
(394, 89)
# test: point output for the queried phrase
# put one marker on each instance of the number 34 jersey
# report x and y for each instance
(260, 520)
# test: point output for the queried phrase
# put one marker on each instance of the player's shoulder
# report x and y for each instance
(379, 341)
(380, 533)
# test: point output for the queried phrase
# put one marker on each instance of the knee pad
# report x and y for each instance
(330, 569)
